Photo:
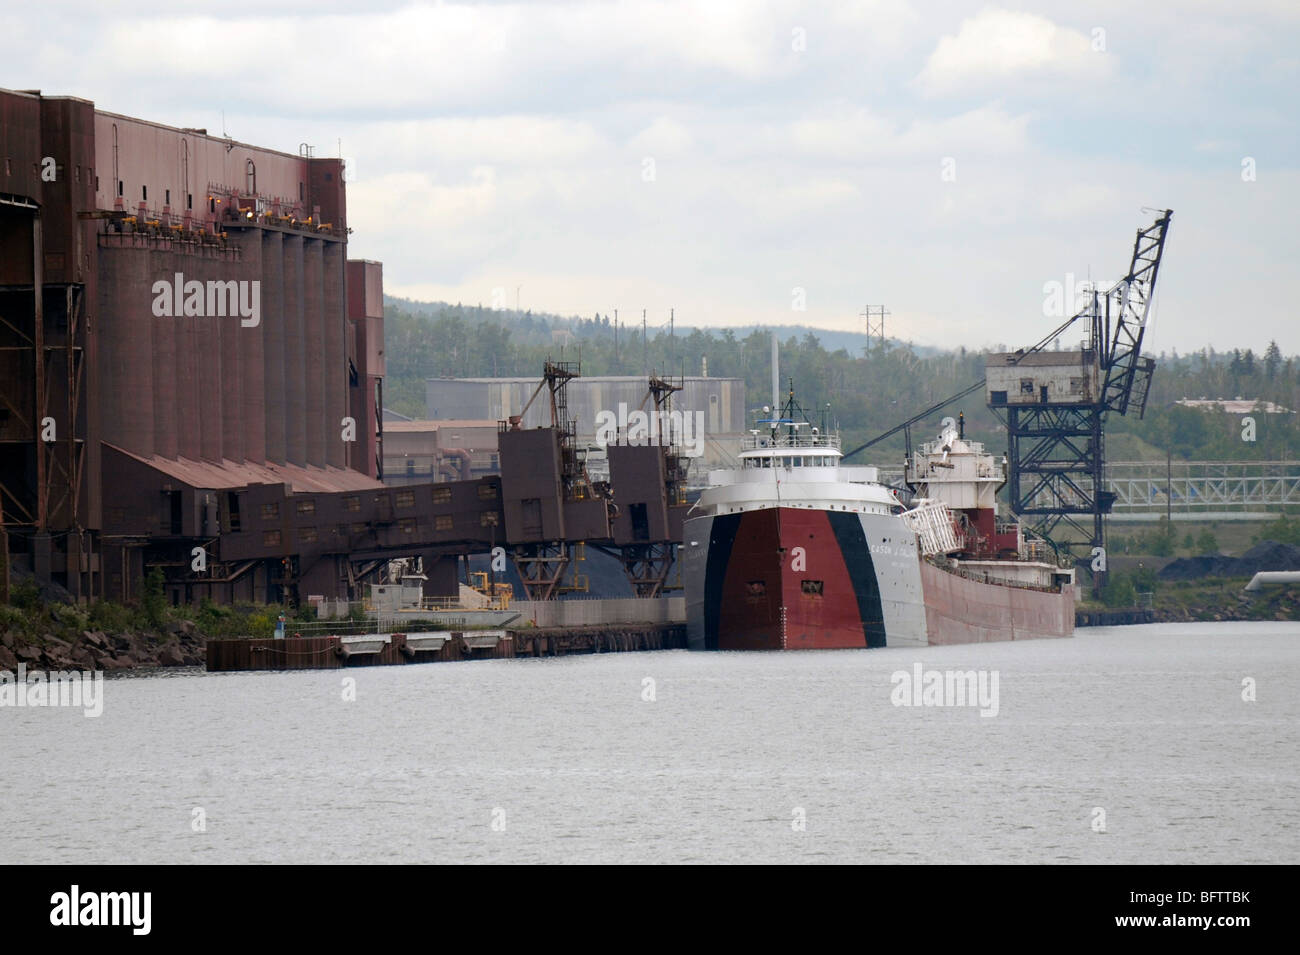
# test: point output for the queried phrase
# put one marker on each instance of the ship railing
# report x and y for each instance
(984, 577)
(779, 440)
(1038, 550)
(491, 602)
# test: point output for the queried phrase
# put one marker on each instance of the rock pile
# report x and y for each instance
(179, 645)
(1266, 555)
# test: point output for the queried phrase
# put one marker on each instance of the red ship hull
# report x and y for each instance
(793, 578)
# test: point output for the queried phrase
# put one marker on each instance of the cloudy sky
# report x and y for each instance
(734, 160)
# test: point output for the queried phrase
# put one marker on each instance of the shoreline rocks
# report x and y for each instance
(109, 652)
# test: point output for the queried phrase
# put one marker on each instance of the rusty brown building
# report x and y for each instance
(179, 327)
(191, 382)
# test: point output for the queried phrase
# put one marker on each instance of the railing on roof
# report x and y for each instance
(782, 439)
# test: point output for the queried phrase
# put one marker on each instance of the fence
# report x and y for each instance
(598, 611)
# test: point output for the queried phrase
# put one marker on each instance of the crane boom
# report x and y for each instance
(1129, 302)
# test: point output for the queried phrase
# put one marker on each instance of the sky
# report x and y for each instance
(765, 161)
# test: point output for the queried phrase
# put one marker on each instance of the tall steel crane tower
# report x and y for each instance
(1055, 402)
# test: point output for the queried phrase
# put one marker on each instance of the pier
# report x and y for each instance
(396, 649)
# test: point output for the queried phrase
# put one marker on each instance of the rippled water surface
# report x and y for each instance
(566, 761)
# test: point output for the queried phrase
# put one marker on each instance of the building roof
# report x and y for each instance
(417, 427)
(232, 474)
(1235, 405)
(1038, 358)
(588, 379)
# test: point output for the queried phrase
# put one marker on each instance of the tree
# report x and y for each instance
(1119, 591)
(153, 601)
(1207, 543)
(1272, 359)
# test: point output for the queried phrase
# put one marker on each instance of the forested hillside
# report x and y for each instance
(869, 388)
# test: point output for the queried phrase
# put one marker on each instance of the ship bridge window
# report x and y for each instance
(767, 462)
(796, 462)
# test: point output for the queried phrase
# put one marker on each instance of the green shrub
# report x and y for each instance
(1119, 591)
(12, 618)
(153, 600)
(1144, 580)
(110, 617)
(25, 595)
(69, 618)
(262, 623)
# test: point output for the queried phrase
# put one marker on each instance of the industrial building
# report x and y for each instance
(422, 451)
(191, 384)
(178, 321)
(716, 407)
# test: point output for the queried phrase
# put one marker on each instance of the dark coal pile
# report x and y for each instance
(1266, 555)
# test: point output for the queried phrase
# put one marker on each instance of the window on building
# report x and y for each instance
(488, 519)
(352, 502)
(270, 511)
(307, 534)
(442, 495)
(307, 506)
(442, 522)
(404, 499)
(487, 492)
(407, 525)
(270, 538)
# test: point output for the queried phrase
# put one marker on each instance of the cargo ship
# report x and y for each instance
(795, 550)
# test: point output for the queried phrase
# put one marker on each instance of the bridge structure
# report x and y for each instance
(1202, 490)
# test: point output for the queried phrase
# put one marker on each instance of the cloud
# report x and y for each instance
(501, 143)
(997, 46)
(664, 137)
(848, 134)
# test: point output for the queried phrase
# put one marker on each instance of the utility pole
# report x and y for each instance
(1169, 487)
(875, 316)
(645, 345)
(616, 363)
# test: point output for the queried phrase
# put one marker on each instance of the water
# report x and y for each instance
(573, 765)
